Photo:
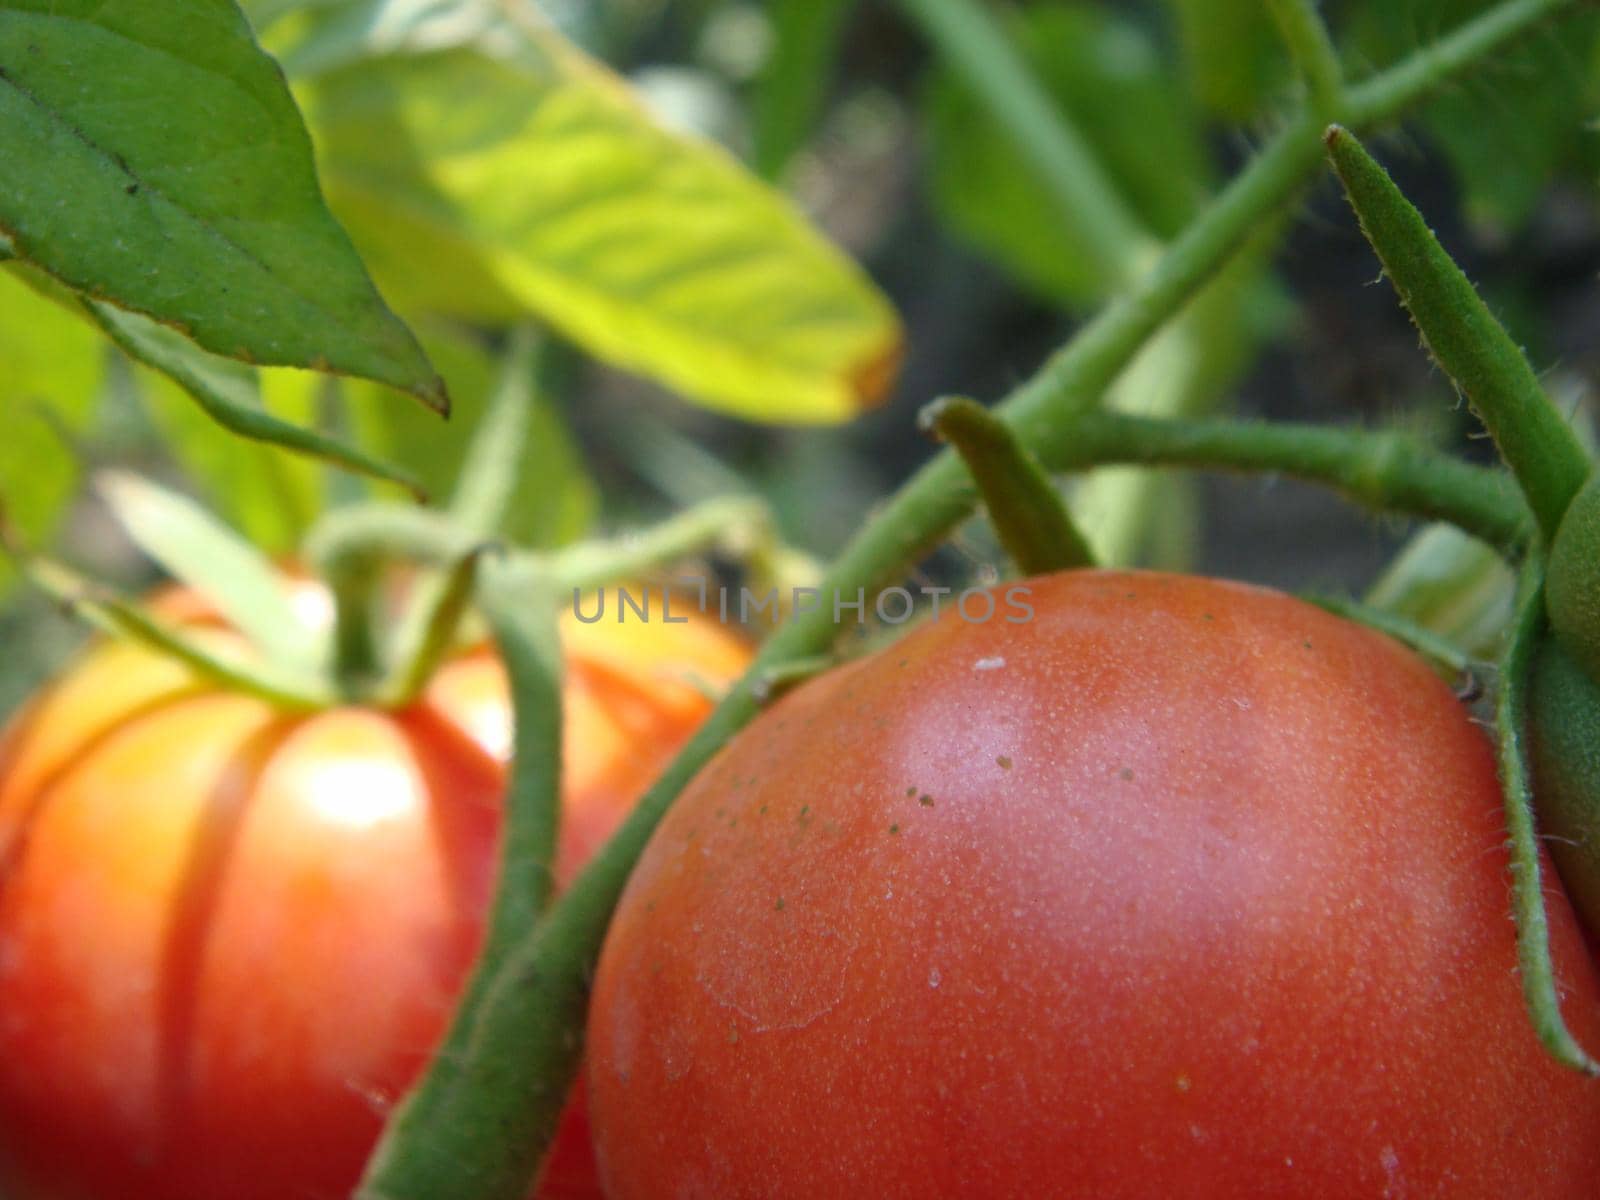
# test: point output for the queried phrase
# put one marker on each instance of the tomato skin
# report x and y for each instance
(1183, 889)
(230, 937)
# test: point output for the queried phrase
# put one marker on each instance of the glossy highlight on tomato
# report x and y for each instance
(1183, 889)
(231, 936)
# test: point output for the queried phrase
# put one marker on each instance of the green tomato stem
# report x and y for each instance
(1469, 344)
(735, 525)
(448, 1138)
(1387, 471)
(1314, 54)
(1024, 506)
(534, 1011)
(428, 633)
(1539, 986)
(357, 659)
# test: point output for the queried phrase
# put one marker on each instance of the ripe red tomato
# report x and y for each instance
(230, 937)
(1182, 889)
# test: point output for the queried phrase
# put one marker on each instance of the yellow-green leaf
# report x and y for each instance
(509, 174)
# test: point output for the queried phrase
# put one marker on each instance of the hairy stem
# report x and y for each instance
(1386, 471)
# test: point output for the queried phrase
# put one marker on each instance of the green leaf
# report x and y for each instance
(1508, 127)
(52, 366)
(155, 160)
(194, 547)
(509, 174)
(1105, 72)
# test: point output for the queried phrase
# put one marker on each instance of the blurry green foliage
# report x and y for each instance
(1511, 126)
(1109, 78)
(51, 367)
(1233, 56)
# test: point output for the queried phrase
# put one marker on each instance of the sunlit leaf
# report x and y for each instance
(1109, 77)
(494, 171)
(51, 367)
(155, 159)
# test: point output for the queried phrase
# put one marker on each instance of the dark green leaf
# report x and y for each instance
(155, 160)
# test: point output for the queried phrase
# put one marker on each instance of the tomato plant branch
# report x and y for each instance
(467, 1099)
(1539, 985)
(969, 37)
(532, 1015)
(1024, 506)
(1312, 49)
(430, 633)
(1470, 345)
(357, 658)
(1382, 470)
(734, 524)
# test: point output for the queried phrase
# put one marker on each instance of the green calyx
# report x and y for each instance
(1564, 751)
(1572, 591)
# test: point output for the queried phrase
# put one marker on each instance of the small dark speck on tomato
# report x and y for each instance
(778, 907)
(1005, 762)
(894, 828)
(733, 1035)
(1126, 773)
(1306, 643)
(912, 790)
(1207, 617)
(925, 800)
